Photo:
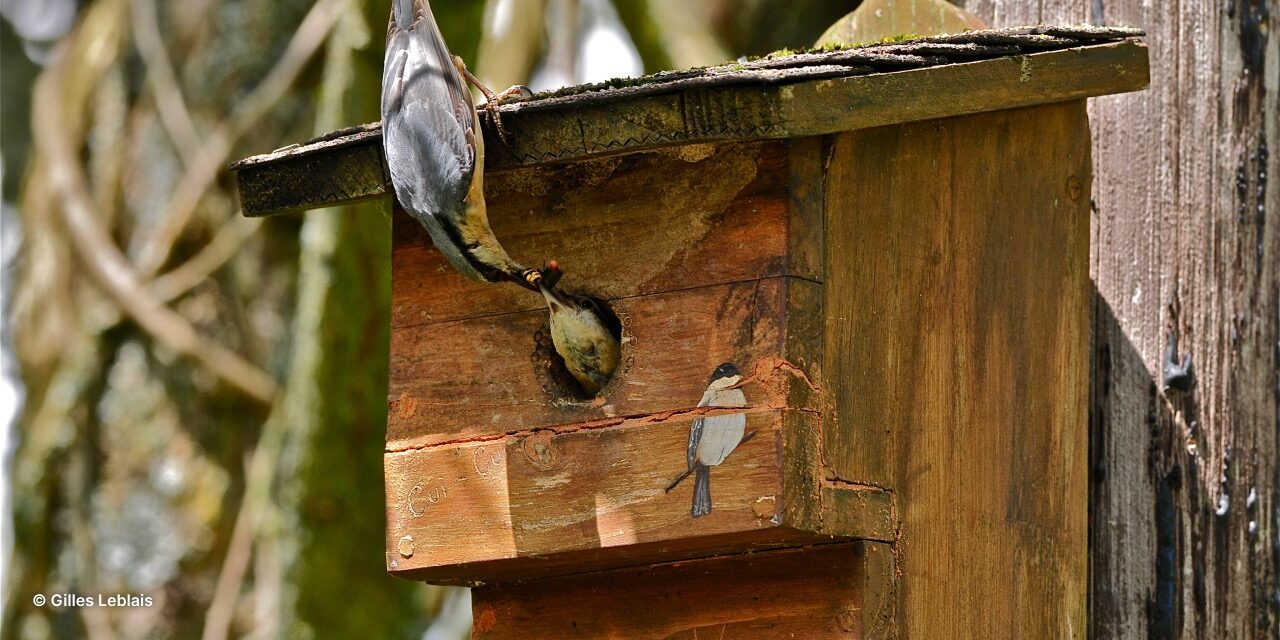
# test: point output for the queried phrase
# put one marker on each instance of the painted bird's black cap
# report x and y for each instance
(724, 371)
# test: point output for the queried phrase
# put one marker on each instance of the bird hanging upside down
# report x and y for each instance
(435, 151)
(435, 147)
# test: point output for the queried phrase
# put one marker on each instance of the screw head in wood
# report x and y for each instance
(406, 546)
(540, 449)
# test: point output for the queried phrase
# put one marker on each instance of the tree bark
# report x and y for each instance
(335, 571)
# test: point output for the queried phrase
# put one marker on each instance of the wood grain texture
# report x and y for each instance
(806, 248)
(957, 293)
(588, 499)
(1185, 519)
(620, 227)
(939, 92)
(830, 591)
(456, 381)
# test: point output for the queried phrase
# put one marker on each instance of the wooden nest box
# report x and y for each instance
(890, 243)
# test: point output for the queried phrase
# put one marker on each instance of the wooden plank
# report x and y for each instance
(350, 168)
(588, 498)
(618, 123)
(457, 381)
(868, 510)
(830, 591)
(806, 173)
(620, 227)
(1185, 237)
(880, 581)
(584, 491)
(957, 289)
(975, 87)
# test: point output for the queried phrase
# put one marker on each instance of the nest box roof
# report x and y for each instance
(779, 96)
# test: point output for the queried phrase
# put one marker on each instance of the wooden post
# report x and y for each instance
(896, 259)
(1186, 242)
(958, 300)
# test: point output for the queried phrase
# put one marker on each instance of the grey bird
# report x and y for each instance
(590, 350)
(435, 147)
(713, 438)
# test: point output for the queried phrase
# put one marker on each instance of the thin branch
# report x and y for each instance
(648, 32)
(194, 13)
(261, 471)
(562, 52)
(174, 114)
(212, 155)
(268, 580)
(104, 262)
(224, 245)
(97, 621)
(185, 277)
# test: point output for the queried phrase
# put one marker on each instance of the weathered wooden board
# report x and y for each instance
(589, 498)
(620, 227)
(457, 381)
(1186, 237)
(613, 122)
(957, 346)
(829, 591)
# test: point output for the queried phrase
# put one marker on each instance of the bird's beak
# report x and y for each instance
(554, 297)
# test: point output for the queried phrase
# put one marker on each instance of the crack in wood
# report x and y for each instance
(676, 415)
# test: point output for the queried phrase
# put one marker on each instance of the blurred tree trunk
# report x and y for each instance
(757, 27)
(337, 384)
(136, 462)
(511, 43)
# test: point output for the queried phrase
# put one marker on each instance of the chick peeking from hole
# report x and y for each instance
(579, 333)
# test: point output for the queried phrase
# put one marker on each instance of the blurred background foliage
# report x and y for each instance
(204, 395)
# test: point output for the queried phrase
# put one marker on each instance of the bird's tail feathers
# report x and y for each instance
(701, 492)
(402, 13)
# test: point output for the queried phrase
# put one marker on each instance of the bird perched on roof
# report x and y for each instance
(590, 350)
(713, 438)
(435, 147)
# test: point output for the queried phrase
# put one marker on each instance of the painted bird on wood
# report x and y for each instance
(435, 147)
(713, 438)
(590, 350)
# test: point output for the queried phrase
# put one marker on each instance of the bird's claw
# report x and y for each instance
(532, 277)
(516, 93)
(494, 100)
(491, 108)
